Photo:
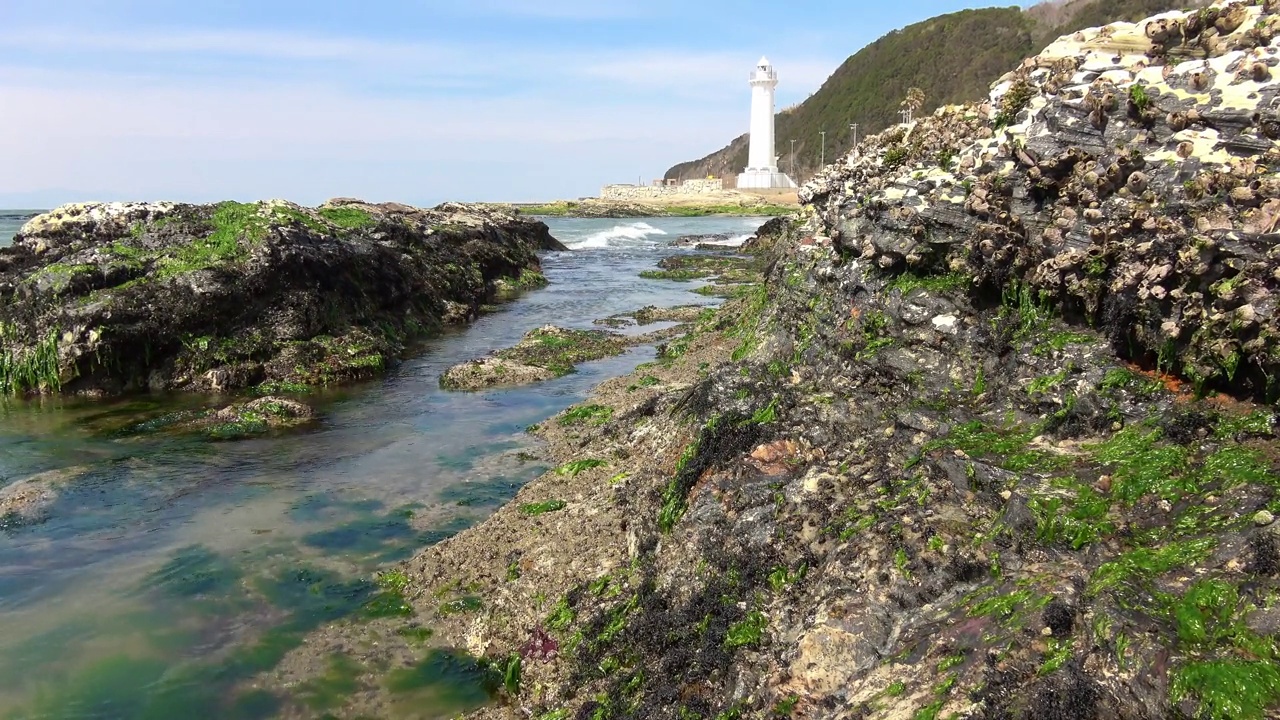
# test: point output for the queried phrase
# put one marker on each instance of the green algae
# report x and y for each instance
(560, 349)
(1125, 379)
(1142, 466)
(445, 680)
(112, 686)
(679, 275)
(587, 414)
(330, 690)
(746, 632)
(235, 226)
(28, 369)
(282, 387)
(562, 615)
(575, 467)
(347, 217)
(1004, 446)
(1229, 689)
(390, 600)
(528, 279)
(1136, 568)
(1056, 655)
(673, 495)
(194, 570)
(1078, 521)
(465, 604)
(415, 633)
(542, 508)
(1059, 340)
(908, 282)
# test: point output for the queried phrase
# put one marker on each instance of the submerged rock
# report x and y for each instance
(105, 298)
(27, 501)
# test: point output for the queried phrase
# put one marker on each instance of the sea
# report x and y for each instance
(167, 571)
(11, 221)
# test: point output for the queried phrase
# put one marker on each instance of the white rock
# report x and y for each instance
(946, 323)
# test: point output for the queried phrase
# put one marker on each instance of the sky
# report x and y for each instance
(417, 101)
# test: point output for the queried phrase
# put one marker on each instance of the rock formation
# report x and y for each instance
(1124, 176)
(110, 297)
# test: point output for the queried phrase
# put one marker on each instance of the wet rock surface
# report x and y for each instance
(108, 298)
(650, 314)
(545, 353)
(967, 452)
(239, 420)
(696, 240)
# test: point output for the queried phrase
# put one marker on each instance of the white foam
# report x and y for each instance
(735, 241)
(631, 233)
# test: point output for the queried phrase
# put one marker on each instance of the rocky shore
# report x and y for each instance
(101, 299)
(995, 439)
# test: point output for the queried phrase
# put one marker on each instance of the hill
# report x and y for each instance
(953, 58)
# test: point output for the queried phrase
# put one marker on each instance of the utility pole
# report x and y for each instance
(854, 127)
(793, 159)
(823, 162)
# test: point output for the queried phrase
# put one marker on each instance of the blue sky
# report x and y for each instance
(418, 101)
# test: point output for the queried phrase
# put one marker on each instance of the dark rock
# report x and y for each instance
(1059, 617)
(107, 298)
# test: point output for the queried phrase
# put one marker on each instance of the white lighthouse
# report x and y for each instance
(762, 164)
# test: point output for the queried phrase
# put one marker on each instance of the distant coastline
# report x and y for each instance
(702, 205)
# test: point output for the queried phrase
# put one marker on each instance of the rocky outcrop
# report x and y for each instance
(112, 297)
(1112, 177)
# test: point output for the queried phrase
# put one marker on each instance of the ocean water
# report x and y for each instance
(167, 571)
(11, 221)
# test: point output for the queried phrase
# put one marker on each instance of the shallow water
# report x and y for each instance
(167, 570)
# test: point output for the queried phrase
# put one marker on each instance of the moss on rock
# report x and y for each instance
(105, 298)
(545, 353)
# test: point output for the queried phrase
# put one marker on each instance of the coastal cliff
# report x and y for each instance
(106, 298)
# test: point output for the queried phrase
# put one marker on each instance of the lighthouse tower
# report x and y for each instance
(762, 165)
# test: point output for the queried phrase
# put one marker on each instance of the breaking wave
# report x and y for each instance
(628, 234)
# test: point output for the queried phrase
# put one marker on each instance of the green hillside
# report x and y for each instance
(953, 58)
